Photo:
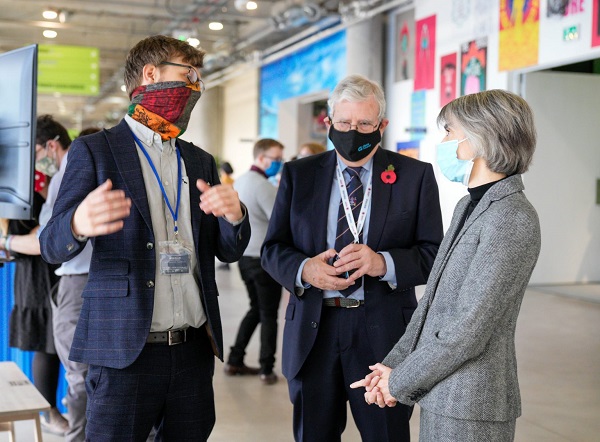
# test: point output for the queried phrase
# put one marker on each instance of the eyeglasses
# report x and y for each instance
(273, 158)
(364, 127)
(193, 76)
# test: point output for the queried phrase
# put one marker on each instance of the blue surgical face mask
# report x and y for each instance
(273, 169)
(458, 171)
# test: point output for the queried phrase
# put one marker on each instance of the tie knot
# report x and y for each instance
(354, 171)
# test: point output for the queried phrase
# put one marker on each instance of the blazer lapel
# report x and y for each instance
(124, 150)
(380, 200)
(322, 182)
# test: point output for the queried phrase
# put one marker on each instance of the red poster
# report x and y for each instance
(425, 54)
(447, 79)
(596, 24)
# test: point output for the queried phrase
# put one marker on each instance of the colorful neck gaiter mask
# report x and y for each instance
(165, 107)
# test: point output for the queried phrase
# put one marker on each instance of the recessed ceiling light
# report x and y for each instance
(193, 41)
(215, 26)
(123, 88)
(50, 14)
(251, 5)
(48, 33)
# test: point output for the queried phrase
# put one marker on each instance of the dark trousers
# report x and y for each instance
(265, 295)
(341, 355)
(168, 387)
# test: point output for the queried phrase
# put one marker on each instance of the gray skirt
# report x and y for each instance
(438, 428)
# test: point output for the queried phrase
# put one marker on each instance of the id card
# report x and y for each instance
(174, 257)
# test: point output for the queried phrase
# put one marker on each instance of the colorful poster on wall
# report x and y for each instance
(448, 70)
(473, 66)
(565, 8)
(409, 148)
(596, 24)
(425, 54)
(417, 127)
(519, 34)
(405, 46)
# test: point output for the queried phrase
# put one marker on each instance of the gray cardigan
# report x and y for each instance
(457, 357)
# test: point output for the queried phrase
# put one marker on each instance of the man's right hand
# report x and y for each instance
(101, 212)
(319, 273)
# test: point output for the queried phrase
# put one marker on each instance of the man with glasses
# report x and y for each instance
(353, 231)
(264, 292)
(157, 215)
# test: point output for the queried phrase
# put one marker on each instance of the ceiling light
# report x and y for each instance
(123, 88)
(50, 14)
(215, 26)
(63, 16)
(49, 33)
(193, 41)
(251, 5)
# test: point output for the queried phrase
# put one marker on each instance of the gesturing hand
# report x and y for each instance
(376, 386)
(101, 212)
(220, 200)
(318, 273)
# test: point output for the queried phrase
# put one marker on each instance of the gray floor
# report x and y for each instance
(558, 345)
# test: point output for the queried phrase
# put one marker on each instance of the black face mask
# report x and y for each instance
(353, 146)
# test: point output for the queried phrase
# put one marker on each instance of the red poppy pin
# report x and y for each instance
(388, 176)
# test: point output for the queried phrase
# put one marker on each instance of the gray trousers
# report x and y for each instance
(438, 428)
(65, 312)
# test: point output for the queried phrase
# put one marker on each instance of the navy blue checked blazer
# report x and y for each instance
(406, 221)
(119, 296)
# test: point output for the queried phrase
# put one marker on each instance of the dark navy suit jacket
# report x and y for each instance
(119, 296)
(405, 220)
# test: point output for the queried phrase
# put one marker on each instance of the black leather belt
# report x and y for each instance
(172, 337)
(342, 302)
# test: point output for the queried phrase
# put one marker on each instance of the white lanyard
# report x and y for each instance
(355, 227)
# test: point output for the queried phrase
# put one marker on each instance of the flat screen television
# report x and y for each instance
(18, 89)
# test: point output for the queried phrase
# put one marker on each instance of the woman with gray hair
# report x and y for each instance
(457, 357)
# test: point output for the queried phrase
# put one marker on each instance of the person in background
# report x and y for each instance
(352, 232)
(31, 322)
(226, 172)
(264, 292)
(66, 301)
(457, 358)
(308, 149)
(157, 215)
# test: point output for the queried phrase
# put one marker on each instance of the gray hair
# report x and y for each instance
(356, 88)
(499, 125)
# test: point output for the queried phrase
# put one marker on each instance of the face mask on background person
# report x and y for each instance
(353, 145)
(456, 170)
(47, 165)
(273, 169)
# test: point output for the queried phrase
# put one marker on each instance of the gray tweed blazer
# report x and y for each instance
(457, 357)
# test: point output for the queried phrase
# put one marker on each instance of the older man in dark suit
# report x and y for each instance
(352, 232)
(157, 217)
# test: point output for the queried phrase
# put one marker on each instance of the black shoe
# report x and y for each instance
(268, 378)
(240, 370)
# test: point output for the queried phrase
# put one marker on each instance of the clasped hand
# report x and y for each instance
(358, 257)
(376, 386)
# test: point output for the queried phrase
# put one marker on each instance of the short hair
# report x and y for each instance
(499, 125)
(314, 148)
(226, 168)
(47, 128)
(155, 50)
(88, 131)
(264, 144)
(357, 88)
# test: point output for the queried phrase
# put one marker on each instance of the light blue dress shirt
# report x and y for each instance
(332, 215)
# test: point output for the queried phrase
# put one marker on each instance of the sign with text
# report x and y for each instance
(71, 70)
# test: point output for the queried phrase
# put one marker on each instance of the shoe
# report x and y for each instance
(240, 370)
(53, 422)
(268, 378)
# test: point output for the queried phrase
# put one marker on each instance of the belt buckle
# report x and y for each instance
(176, 336)
(355, 303)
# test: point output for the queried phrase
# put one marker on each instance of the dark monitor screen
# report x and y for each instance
(18, 89)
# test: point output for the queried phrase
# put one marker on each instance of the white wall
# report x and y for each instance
(562, 181)
(206, 122)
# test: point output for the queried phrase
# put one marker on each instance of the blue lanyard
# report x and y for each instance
(175, 213)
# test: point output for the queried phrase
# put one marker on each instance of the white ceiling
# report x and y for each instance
(115, 26)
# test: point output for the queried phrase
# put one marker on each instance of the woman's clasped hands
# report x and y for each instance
(376, 386)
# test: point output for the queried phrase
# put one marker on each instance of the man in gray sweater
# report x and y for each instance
(264, 292)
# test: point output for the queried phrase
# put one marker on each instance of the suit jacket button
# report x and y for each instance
(70, 246)
(149, 245)
(150, 284)
(314, 324)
